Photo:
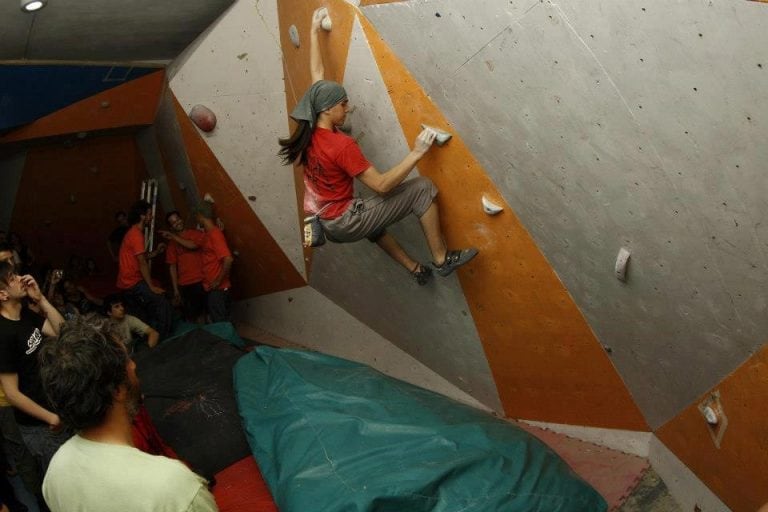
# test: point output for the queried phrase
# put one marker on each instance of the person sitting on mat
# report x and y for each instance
(331, 160)
(130, 328)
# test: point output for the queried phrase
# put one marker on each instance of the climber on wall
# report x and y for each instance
(331, 160)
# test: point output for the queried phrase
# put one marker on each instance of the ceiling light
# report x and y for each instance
(32, 5)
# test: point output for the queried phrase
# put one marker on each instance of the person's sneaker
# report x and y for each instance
(455, 259)
(422, 274)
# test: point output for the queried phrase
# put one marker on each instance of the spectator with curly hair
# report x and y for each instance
(92, 384)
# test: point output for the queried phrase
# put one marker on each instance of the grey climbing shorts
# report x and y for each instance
(369, 217)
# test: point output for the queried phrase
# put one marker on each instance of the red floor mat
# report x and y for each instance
(146, 438)
(612, 473)
(241, 488)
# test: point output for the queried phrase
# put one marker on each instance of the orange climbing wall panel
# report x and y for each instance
(131, 104)
(334, 47)
(738, 471)
(261, 267)
(67, 197)
(546, 362)
(374, 2)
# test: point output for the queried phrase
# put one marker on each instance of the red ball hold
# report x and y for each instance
(203, 118)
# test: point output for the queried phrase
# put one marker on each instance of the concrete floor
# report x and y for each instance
(650, 495)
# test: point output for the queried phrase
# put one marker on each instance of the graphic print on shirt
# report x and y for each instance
(312, 178)
(316, 174)
(34, 341)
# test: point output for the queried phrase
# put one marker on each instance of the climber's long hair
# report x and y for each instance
(294, 148)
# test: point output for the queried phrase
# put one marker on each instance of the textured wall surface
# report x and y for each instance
(61, 207)
(178, 170)
(260, 265)
(74, 182)
(235, 69)
(737, 471)
(609, 124)
(537, 356)
(545, 360)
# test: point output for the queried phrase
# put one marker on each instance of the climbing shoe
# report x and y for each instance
(421, 274)
(455, 259)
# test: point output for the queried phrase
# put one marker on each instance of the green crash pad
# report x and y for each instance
(334, 435)
(224, 330)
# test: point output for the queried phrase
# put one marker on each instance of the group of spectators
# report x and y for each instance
(199, 261)
(70, 388)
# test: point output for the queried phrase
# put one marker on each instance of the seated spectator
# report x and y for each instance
(75, 267)
(53, 293)
(80, 297)
(6, 253)
(67, 310)
(92, 383)
(128, 327)
(91, 269)
(22, 256)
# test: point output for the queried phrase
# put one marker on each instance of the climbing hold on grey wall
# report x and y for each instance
(293, 33)
(622, 260)
(490, 207)
(203, 117)
(442, 135)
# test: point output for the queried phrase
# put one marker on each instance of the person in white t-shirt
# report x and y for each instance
(92, 384)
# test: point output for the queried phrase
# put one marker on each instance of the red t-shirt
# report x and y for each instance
(333, 160)
(128, 273)
(215, 249)
(189, 262)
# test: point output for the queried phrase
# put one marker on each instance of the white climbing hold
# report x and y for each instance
(490, 207)
(622, 260)
(442, 136)
(711, 416)
(326, 22)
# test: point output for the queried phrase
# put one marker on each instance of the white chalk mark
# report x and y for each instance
(279, 48)
(491, 40)
(266, 25)
(602, 68)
